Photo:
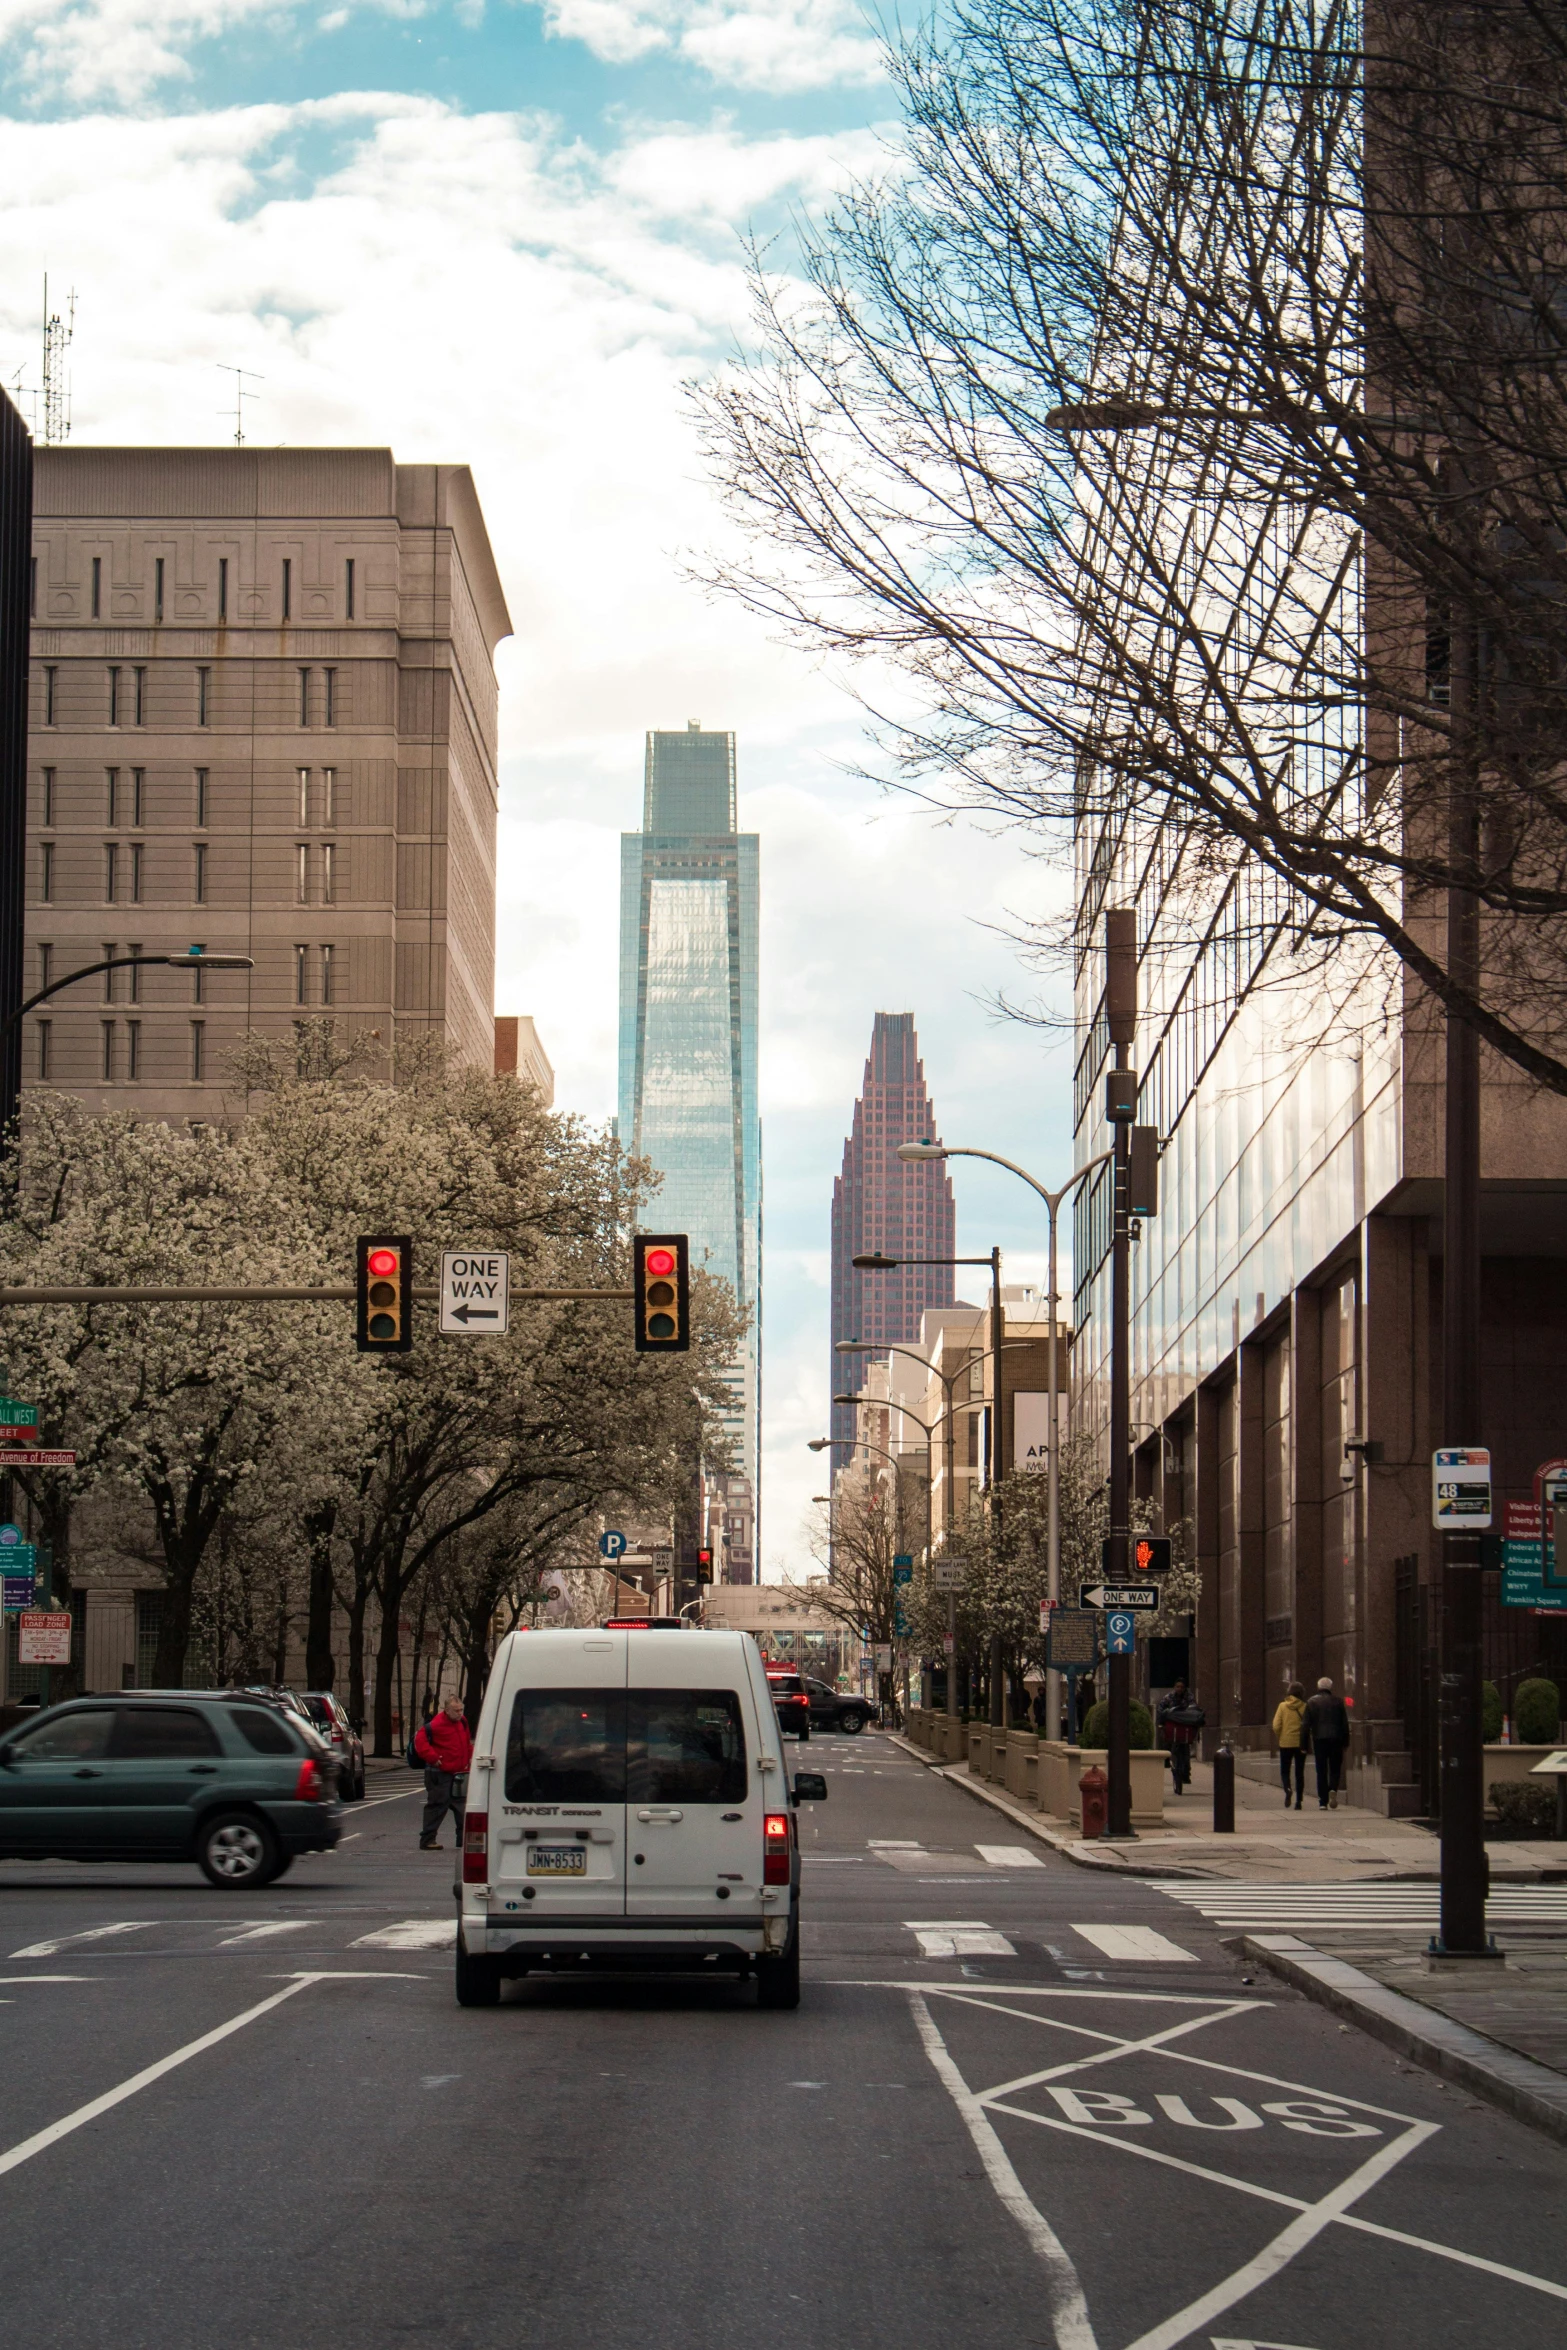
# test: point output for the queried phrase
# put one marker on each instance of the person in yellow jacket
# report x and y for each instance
(1289, 1728)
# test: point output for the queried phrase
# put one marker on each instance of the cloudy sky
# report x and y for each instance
(510, 234)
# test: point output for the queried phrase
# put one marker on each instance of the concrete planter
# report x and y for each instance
(1060, 1767)
(1513, 1764)
(1022, 1778)
(979, 1736)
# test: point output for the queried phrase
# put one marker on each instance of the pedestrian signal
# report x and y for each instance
(661, 1291)
(383, 1279)
(1150, 1554)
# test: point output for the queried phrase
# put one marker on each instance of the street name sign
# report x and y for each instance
(18, 1415)
(33, 1458)
(1141, 1596)
(1461, 1489)
(475, 1293)
(44, 1637)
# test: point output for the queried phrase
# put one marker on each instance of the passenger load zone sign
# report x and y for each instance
(475, 1293)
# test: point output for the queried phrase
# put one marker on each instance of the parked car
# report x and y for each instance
(234, 1782)
(630, 1807)
(329, 1717)
(790, 1699)
(837, 1709)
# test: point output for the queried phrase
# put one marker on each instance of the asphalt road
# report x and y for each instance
(999, 2118)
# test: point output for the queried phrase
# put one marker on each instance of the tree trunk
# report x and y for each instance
(180, 1568)
(320, 1665)
(386, 1655)
(357, 1605)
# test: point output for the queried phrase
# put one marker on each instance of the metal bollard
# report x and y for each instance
(1224, 1792)
(1094, 1788)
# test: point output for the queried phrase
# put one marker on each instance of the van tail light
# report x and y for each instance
(309, 1787)
(476, 1848)
(775, 1848)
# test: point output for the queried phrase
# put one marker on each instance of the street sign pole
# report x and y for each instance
(1121, 1103)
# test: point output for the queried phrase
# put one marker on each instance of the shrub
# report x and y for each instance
(1096, 1730)
(1537, 1713)
(1530, 1807)
(1490, 1712)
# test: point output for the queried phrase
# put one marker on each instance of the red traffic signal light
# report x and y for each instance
(661, 1293)
(383, 1287)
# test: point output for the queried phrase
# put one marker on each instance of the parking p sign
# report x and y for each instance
(1120, 1632)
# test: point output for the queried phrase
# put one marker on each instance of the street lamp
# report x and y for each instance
(193, 959)
(1053, 1203)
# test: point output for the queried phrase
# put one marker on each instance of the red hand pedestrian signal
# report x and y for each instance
(1151, 1554)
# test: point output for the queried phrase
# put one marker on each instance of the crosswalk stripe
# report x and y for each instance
(1339, 1904)
(410, 1934)
(1135, 1942)
(958, 1938)
(1009, 1856)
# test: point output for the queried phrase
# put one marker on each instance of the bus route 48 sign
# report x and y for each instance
(1461, 1489)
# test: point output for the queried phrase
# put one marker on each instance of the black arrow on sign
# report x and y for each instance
(476, 1313)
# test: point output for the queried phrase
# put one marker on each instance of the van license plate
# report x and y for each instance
(557, 1860)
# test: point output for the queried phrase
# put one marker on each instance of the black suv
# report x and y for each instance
(236, 1783)
(836, 1709)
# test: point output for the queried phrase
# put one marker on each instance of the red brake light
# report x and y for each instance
(309, 1787)
(476, 1848)
(775, 1848)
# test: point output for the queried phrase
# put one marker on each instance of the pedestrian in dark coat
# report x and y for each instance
(1327, 1727)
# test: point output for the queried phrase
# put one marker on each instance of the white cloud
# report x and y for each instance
(763, 45)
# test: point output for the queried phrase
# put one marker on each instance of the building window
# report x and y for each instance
(133, 976)
(97, 587)
(348, 587)
(198, 984)
(138, 787)
(48, 795)
(198, 1051)
(329, 796)
(111, 871)
(304, 697)
(50, 678)
(328, 955)
(304, 795)
(45, 965)
(136, 860)
(288, 588)
(108, 1052)
(141, 697)
(328, 874)
(302, 874)
(44, 1042)
(330, 676)
(133, 1049)
(201, 798)
(114, 697)
(157, 588)
(111, 795)
(199, 876)
(301, 974)
(46, 877)
(203, 697)
(223, 589)
(108, 977)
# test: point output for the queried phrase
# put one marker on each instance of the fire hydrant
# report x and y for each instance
(1094, 1789)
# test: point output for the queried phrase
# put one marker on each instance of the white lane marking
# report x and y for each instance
(48, 1979)
(1068, 2307)
(959, 1938)
(368, 1803)
(26, 2148)
(893, 1844)
(1009, 1856)
(438, 2080)
(89, 1934)
(1225, 2343)
(1135, 1942)
(265, 1933)
(410, 1934)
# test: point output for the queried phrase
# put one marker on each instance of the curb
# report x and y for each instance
(1531, 2093)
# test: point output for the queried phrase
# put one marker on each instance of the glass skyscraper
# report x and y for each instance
(688, 1025)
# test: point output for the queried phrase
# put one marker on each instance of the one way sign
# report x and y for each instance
(475, 1294)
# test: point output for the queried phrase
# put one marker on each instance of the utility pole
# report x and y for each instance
(998, 1710)
(1121, 1110)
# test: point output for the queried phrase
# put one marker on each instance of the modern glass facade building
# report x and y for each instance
(688, 1028)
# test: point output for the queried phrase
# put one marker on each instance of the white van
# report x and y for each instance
(629, 1806)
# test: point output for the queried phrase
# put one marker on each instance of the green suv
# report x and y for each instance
(232, 1782)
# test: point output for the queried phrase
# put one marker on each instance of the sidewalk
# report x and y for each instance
(1497, 2027)
(1269, 1843)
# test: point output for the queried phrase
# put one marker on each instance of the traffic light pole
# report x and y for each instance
(233, 1296)
(1121, 1105)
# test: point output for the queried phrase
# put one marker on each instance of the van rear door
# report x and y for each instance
(693, 1802)
(560, 1845)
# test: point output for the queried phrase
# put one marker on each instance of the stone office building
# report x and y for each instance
(263, 720)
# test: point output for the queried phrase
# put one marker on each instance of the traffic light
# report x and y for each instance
(661, 1290)
(383, 1287)
(1150, 1554)
(704, 1566)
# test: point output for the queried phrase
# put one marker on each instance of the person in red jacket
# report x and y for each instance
(445, 1747)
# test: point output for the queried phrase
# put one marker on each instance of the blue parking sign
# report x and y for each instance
(1120, 1632)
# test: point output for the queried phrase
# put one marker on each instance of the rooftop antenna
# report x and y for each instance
(242, 376)
(56, 398)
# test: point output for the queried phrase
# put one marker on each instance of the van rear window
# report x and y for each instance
(632, 1746)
